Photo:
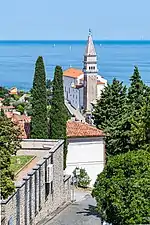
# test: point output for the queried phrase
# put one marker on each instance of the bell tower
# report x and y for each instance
(90, 75)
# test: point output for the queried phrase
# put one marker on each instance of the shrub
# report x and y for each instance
(83, 178)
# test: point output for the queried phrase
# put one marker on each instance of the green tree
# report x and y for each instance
(136, 90)
(3, 92)
(83, 178)
(9, 143)
(6, 101)
(39, 124)
(140, 126)
(122, 190)
(49, 86)
(110, 114)
(111, 105)
(58, 112)
(20, 108)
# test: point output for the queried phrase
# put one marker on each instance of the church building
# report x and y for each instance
(83, 87)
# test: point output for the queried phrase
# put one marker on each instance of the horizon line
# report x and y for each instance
(14, 40)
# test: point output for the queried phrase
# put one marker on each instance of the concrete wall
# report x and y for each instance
(86, 153)
(30, 203)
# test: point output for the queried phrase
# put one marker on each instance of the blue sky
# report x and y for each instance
(71, 19)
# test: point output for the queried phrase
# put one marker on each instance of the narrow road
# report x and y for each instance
(79, 213)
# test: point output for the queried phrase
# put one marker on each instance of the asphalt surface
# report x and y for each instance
(79, 213)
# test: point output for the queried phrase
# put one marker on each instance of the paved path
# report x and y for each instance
(79, 213)
(74, 112)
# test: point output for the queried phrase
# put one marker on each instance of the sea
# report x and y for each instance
(115, 59)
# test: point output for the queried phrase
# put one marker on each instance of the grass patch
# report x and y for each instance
(18, 161)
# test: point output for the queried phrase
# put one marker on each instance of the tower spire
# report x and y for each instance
(90, 74)
(90, 49)
(90, 32)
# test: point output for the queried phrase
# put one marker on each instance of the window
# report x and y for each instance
(51, 187)
(51, 158)
(47, 187)
(46, 184)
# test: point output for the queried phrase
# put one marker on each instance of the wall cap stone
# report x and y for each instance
(19, 184)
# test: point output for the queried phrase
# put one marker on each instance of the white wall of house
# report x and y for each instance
(100, 88)
(88, 154)
(72, 94)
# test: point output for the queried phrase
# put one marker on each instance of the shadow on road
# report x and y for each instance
(90, 211)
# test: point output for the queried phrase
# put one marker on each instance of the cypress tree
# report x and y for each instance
(58, 112)
(39, 124)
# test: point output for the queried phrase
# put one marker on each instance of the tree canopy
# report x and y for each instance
(111, 105)
(39, 123)
(122, 190)
(9, 143)
(58, 111)
(120, 114)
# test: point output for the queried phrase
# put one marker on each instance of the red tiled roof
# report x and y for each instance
(9, 114)
(100, 82)
(7, 107)
(72, 72)
(78, 129)
(21, 121)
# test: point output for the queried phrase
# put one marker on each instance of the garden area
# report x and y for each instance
(18, 162)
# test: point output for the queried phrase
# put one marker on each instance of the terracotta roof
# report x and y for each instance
(9, 114)
(72, 72)
(78, 129)
(100, 82)
(21, 121)
(7, 107)
(12, 88)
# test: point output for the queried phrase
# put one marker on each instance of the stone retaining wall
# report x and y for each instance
(34, 199)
